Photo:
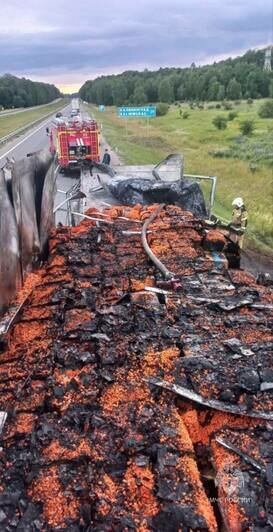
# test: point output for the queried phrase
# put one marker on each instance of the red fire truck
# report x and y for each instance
(75, 142)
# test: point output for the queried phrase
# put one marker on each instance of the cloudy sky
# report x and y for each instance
(66, 42)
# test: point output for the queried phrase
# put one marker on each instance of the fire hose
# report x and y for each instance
(167, 274)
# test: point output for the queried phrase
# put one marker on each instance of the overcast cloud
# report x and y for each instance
(67, 42)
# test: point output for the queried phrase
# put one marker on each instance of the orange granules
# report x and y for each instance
(23, 333)
(30, 282)
(180, 436)
(139, 489)
(63, 377)
(55, 451)
(106, 493)
(58, 505)
(101, 417)
(42, 294)
(242, 277)
(190, 418)
(22, 424)
(76, 317)
(202, 426)
(214, 235)
(113, 397)
(37, 313)
(159, 247)
(188, 465)
(163, 359)
(117, 394)
(57, 260)
(137, 285)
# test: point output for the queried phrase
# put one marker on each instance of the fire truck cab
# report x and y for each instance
(75, 142)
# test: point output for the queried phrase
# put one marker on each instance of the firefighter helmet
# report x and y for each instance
(238, 202)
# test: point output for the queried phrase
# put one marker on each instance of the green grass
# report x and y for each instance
(14, 121)
(196, 138)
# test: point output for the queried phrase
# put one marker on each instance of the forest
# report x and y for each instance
(232, 79)
(21, 92)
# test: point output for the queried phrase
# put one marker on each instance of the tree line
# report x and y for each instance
(16, 92)
(231, 79)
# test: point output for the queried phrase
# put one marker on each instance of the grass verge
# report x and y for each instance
(10, 123)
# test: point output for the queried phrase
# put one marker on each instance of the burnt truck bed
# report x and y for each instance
(90, 442)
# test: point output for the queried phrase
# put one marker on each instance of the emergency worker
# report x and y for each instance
(106, 157)
(238, 223)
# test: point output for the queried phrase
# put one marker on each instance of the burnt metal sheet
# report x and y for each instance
(47, 206)
(42, 161)
(23, 191)
(3, 417)
(10, 278)
(211, 403)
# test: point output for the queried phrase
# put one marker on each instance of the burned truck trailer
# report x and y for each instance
(136, 373)
(132, 401)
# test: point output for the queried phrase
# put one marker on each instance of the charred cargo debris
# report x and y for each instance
(183, 193)
(89, 443)
(164, 183)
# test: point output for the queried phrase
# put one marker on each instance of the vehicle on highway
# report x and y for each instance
(75, 142)
(59, 114)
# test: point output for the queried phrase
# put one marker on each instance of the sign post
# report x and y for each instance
(147, 112)
(147, 126)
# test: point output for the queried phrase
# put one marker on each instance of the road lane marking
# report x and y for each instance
(24, 139)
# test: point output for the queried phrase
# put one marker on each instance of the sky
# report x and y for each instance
(66, 42)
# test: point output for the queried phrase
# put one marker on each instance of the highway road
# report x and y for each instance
(36, 139)
(33, 140)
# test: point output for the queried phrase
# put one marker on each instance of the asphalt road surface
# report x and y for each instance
(36, 139)
(33, 140)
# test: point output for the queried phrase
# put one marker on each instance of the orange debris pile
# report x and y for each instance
(90, 442)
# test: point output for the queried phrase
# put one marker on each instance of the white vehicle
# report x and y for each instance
(75, 104)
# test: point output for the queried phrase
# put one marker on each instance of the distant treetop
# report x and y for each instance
(234, 79)
(16, 92)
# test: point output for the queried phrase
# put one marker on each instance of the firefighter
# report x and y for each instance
(238, 223)
(106, 157)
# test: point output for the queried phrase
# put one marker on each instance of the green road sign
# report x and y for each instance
(137, 112)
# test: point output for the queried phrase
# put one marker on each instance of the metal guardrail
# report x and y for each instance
(17, 132)
(15, 110)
